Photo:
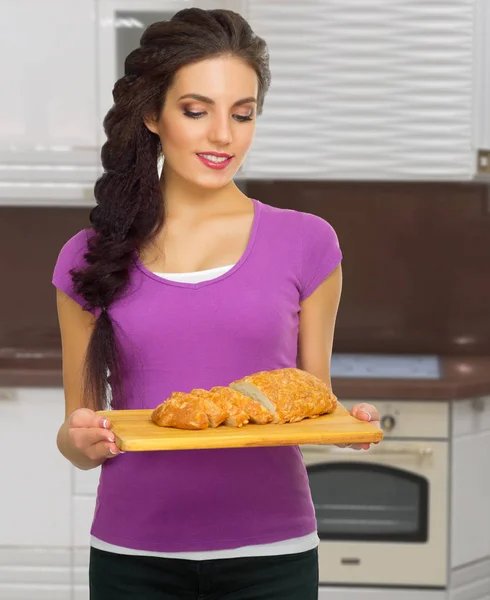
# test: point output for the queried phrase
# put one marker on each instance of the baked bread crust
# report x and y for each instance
(239, 404)
(279, 396)
(295, 394)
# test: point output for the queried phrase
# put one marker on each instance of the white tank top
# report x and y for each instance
(289, 546)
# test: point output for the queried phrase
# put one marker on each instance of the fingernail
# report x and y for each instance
(366, 413)
(111, 439)
(105, 424)
(113, 453)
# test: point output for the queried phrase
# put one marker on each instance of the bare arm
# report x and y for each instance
(316, 331)
(82, 438)
(317, 324)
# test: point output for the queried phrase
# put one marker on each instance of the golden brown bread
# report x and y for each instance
(216, 413)
(278, 396)
(292, 394)
(182, 411)
(188, 411)
(240, 406)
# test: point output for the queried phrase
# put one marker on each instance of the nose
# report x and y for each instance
(220, 131)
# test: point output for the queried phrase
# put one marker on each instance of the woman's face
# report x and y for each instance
(221, 119)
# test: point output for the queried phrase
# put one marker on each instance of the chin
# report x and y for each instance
(212, 183)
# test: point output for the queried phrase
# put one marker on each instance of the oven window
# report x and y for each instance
(366, 502)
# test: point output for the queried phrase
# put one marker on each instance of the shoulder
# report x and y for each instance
(305, 225)
(71, 257)
(309, 240)
(79, 242)
(76, 246)
(72, 253)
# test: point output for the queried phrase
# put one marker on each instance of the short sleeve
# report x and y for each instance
(71, 256)
(321, 253)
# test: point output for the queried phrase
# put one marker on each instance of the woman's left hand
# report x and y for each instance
(363, 412)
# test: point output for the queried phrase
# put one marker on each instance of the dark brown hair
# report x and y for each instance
(130, 210)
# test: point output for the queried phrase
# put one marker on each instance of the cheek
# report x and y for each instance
(179, 136)
(244, 137)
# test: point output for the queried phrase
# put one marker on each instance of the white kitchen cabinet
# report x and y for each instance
(482, 75)
(342, 593)
(48, 104)
(370, 90)
(289, 139)
(470, 482)
(35, 519)
(84, 497)
(35, 573)
(471, 582)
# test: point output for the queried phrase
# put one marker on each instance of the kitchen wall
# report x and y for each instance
(416, 263)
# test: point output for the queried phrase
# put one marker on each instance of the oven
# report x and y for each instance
(383, 514)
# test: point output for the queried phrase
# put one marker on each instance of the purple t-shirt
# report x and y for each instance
(179, 336)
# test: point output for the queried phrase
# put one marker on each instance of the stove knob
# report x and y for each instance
(388, 423)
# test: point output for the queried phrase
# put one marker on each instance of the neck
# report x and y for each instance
(185, 199)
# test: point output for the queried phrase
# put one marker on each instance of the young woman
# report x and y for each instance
(182, 281)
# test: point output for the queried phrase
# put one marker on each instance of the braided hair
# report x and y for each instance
(130, 209)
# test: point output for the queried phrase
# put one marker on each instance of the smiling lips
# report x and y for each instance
(215, 160)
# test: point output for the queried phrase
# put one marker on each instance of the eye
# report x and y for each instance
(193, 115)
(198, 115)
(241, 118)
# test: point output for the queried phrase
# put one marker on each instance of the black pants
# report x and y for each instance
(122, 577)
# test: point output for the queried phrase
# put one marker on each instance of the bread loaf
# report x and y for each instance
(278, 396)
(239, 406)
(188, 411)
(290, 394)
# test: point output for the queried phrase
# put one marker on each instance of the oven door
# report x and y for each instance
(382, 515)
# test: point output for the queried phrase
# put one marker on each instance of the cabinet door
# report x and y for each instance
(289, 138)
(470, 481)
(366, 90)
(482, 76)
(346, 593)
(84, 498)
(48, 126)
(35, 477)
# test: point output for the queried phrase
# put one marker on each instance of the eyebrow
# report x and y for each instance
(207, 100)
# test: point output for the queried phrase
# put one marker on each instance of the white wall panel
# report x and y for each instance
(367, 89)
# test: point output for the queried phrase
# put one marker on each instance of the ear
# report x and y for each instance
(151, 122)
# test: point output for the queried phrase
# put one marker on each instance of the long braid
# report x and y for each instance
(130, 210)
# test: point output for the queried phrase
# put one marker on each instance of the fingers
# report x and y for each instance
(361, 412)
(365, 412)
(103, 449)
(90, 434)
(363, 446)
(84, 417)
(95, 435)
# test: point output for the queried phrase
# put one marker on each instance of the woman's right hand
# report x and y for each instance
(90, 434)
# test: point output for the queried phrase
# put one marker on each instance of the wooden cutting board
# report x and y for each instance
(135, 431)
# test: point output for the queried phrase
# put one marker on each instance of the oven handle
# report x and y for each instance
(427, 451)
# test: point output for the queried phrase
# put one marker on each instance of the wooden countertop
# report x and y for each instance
(462, 377)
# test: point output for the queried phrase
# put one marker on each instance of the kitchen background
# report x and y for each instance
(378, 120)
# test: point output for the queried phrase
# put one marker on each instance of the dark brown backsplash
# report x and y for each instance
(416, 263)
